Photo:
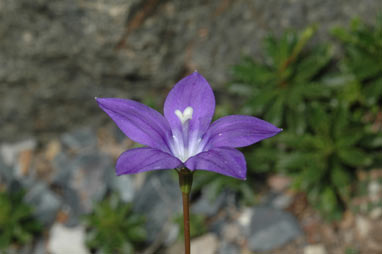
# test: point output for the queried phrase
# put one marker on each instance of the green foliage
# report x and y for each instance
(197, 225)
(363, 54)
(323, 161)
(17, 225)
(330, 110)
(114, 228)
(280, 87)
(217, 183)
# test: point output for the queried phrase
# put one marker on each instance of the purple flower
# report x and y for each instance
(184, 137)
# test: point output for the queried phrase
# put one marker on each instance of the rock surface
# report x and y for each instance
(271, 228)
(55, 55)
(158, 200)
(44, 202)
(315, 249)
(206, 244)
(65, 240)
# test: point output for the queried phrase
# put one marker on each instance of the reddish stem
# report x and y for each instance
(186, 221)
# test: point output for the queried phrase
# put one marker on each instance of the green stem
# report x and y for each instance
(185, 184)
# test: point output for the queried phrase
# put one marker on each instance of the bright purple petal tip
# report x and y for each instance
(239, 131)
(139, 122)
(193, 92)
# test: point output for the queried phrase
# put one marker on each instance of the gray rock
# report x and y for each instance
(10, 151)
(158, 200)
(44, 202)
(82, 180)
(84, 138)
(208, 205)
(217, 226)
(63, 167)
(91, 178)
(50, 78)
(207, 244)
(228, 248)
(278, 200)
(65, 240)
(124, 185)
(271, 228)
(6, 173)
(72, 206)
(40, 247)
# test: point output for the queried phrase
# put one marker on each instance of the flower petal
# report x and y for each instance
(139, 122)
(238, 131)
(143, 159)
(222, 160)
(195, 92)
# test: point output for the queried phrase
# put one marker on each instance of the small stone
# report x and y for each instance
(206, 244)
(279, 183)
(158, 200)
(228, 248)
(45, 203)
(91, 177)
(176, 248)
(124, 185)
(376, 213)
(52, 150)
(63, 167)
(363, 226)
(232, 232)
(64, 240)
(245, 217)
(6, 173)
(207, 204)
(271, 228)
(347, 220)
(217, 225)
(172, 234)
(24, 163)
(10, 152)
(40, 247)
(282, 201)
(315, 249)
(375, 191)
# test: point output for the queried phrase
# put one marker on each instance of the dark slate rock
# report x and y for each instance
(63, 167)
(6, 173)
(271, 228)
(158, 200)
(277, 200)
(44, 202)
(82, 180)
(217, 226)
(207, 204)
(72, 206)
(91, 178)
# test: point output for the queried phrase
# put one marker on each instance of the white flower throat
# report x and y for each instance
(185, 115)
(185, 143)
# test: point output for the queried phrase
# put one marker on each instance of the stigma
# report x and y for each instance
(185, 115)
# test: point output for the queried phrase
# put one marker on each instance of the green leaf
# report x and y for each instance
(354, 157)
(329, 203)
(319, 119)
(275, 112)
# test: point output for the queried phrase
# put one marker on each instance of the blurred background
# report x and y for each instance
(313, 68)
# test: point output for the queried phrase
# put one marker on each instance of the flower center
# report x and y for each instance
(185, 115)
(186, 142)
